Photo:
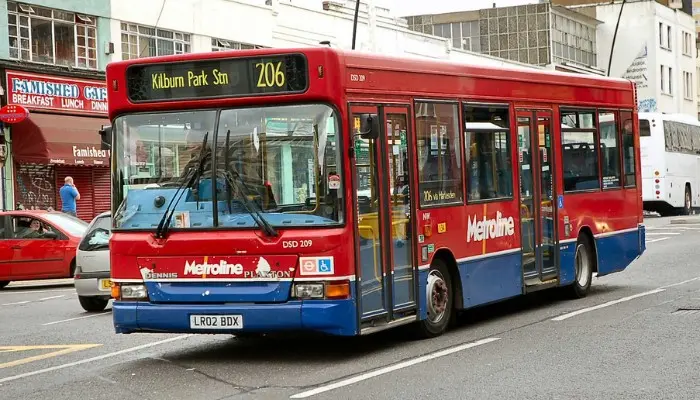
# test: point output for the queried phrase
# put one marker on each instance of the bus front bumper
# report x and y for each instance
(335, 317)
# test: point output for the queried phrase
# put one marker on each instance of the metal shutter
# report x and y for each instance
(82, 177)
(101, 190)
(35, 186)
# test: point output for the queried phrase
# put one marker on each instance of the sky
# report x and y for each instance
(416, 7)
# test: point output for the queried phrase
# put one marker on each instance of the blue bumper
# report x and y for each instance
(325, 316)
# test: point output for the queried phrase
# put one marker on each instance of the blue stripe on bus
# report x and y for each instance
(490, 279)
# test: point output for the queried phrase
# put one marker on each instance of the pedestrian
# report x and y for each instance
(69, 194)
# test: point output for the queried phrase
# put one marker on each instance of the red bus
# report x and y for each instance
(313, 189)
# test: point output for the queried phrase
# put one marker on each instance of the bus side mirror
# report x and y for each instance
(369, 126)
(106, 138)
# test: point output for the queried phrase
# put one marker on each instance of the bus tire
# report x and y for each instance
(439, 301)
(3, 284)
(583, 267)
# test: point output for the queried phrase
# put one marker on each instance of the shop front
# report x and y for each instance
(58, 139)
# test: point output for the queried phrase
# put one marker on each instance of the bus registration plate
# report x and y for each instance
(216, 321)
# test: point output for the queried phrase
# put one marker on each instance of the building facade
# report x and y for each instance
(52, 62)
(540, 34)
(655, 47)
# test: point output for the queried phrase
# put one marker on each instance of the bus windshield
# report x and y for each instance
(281, 161)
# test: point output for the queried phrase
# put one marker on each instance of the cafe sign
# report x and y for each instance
(46, 92)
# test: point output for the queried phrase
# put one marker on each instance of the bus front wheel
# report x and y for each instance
(439, 301)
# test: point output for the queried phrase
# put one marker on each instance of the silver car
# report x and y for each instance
(92, 273)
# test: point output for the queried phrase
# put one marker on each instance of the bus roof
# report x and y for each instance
(661, 116)
(377, 62)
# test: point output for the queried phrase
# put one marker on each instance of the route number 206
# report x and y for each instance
(270, 75)
(293, 244)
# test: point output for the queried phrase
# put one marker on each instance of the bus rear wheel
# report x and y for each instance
(439, 301)
(583, 267)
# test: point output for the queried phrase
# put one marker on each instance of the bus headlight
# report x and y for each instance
(308, 290)
(322, 290)
(129, 292)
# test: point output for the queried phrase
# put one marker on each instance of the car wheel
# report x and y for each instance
(3, 284)
(93, 304)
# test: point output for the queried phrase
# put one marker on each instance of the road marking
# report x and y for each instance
(17, 303)
(608, 304)
(385, 370)
(77, 318)
(52, 297)
(679, 283)
(88, 360)
(63, 349)
(656, 240)
(662, 233)
(9, 291)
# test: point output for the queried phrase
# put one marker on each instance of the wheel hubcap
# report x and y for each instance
(583, 266)
(437, 295)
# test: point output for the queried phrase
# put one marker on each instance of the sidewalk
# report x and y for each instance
(688, 219)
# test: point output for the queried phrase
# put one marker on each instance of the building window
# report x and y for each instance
(670, 80)
(687, 85)
(668, 37)
(580, 153)
(609, 151)
(143, 41)
(223, 44)
(661, 34)
(687, 44)
(487, 146)
(439, 154)
(51, 36)
(573, 41)
(663, 79)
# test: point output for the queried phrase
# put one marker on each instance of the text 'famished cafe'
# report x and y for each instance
(58, 139)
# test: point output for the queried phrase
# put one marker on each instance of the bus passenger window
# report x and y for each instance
(609, 151)
(580, 156)
(439, 156)
(628, 167)
(487, 145)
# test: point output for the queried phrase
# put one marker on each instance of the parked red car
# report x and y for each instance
(37, 244)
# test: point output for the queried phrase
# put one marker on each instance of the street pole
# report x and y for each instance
(612, 46)
(354, 23)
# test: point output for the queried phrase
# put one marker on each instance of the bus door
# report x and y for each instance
(386, 271)
(538, 206)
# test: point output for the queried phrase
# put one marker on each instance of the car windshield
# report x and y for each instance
(281, 161)
(72, 225)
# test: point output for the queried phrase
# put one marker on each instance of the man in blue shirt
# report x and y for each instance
(69, 194)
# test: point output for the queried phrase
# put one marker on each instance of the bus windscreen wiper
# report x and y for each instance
(233, 178)
(188, 181)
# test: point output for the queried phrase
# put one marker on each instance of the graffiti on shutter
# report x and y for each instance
(35, 186)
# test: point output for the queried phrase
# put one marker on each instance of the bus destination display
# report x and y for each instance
(228, 77)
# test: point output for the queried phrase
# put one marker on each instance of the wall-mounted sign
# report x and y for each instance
(45, 92)
(13, 113)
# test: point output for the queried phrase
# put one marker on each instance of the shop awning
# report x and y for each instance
(59, 139)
